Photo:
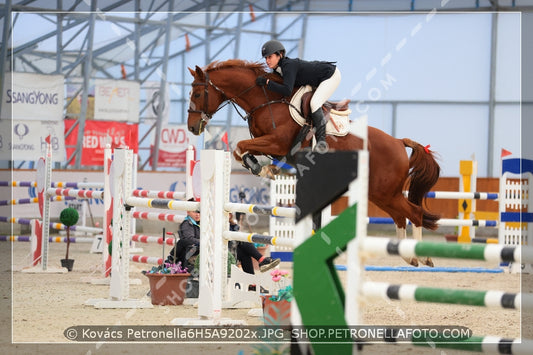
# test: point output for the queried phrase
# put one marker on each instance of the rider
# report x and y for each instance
(324, 76)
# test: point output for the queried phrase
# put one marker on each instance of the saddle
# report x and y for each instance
(336, 114)
(327, 106)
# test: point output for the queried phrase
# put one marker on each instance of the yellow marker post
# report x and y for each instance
(468, 171)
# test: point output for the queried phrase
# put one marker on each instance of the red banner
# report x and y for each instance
(97, 134)
(170, 159)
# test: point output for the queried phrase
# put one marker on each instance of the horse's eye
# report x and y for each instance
(196, 96)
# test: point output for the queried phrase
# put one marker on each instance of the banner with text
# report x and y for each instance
(173, 144)
(25, 140)
(35, 97)
(97, 135)
(116, 100)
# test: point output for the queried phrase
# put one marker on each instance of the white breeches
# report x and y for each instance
(325, 90)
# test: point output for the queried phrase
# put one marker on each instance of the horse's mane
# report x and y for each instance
(258, 68)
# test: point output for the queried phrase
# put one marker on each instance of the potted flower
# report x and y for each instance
(69, 217)
(168, 283)
(277, 308)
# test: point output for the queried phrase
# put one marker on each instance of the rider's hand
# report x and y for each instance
(261, 80)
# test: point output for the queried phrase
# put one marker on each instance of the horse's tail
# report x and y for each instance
(423, 175)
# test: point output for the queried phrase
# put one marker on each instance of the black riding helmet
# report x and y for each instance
(272, 47)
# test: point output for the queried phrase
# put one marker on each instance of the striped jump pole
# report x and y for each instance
(146, 259)
(15, 220)
(257, 238)
(447, 269)
(260, 209)
(79, 194)
(442, 222)
(15, 238)
(27, 238)
(151, 239)
(476, 343)
(24, 201)
(18, 183)
(72, 239)
(468, 222)
(453, 195)
(163, 204)
(156, 216)
(411, 248)
(493, 299)
(78, 185)
(60, 226)
(74, 185)
(485, 240)
(175, 195)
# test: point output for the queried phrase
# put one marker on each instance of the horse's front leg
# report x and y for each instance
(268, 145)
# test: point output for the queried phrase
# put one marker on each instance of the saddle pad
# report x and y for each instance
(338, 123)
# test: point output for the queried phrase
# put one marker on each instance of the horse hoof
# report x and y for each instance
(274, 169)
(267, 172)
(411, 261)
(429, 262)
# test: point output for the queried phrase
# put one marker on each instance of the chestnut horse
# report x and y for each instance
(274, 132)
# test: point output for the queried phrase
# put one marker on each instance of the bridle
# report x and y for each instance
(205, 115)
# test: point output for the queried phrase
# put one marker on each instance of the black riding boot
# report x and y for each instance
(320, 130)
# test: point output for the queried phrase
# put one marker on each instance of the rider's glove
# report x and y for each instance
(261, 81)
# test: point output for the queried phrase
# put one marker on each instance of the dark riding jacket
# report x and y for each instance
(189, 235)
(298, 72)
(189, 230)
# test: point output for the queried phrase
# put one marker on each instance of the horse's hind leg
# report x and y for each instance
(417, 234)
(402, 234)
(399, 208)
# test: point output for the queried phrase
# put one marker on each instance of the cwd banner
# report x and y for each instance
(116, 100)
(25, 140)
(34, 97)
(99, 133)
(173, 143)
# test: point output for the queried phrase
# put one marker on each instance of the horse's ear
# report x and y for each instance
(191, 71)
(200, 73)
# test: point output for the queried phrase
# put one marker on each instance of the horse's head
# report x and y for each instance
(232, 81)
(205, 98)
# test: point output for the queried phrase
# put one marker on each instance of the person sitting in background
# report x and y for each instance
(246, 251)
(188, 246)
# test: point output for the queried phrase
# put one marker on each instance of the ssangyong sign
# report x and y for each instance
(33, 97)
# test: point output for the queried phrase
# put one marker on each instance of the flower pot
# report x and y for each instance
(67, 263)
(276, 312)
(168, 289)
